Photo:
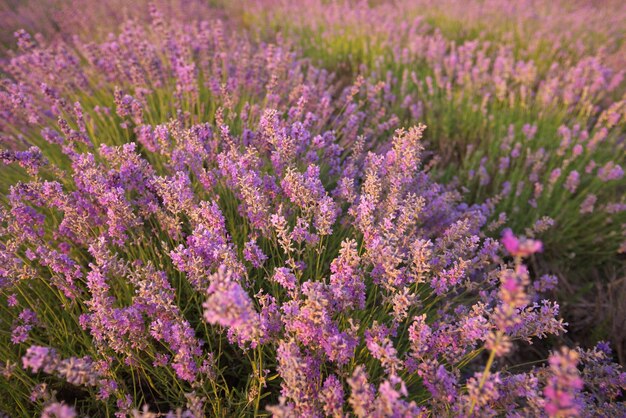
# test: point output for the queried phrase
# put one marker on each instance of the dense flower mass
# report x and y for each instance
(196, 222)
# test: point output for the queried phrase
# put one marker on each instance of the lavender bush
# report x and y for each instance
(195, 222)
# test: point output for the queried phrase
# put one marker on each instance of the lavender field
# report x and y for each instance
(312, 208)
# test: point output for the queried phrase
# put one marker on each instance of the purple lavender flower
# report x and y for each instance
(362, 393)
(332, 397)
(301, 378)
(284, 277)
(346, 280)
(253, 254)
(440, 383)
(587, 206)
(229, 305)
(39, 358)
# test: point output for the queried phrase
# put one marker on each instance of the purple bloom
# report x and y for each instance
(284, 277)
(610, 171)
(332, 397)
(440, 383)
(346, 279)
(253, 254)
(229, 305)
(40, 358)
(301, 378)
(362, 393)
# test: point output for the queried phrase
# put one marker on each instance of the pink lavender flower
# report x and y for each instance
(12, 300)
(420, 337)
(379, 344)
(554, 175)
(449, 277)
(78, 371)
(587, 206)
(58, 410)
(520, 247)
(24, 41)
(389, 402)
(563, 386)
(572, 181)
